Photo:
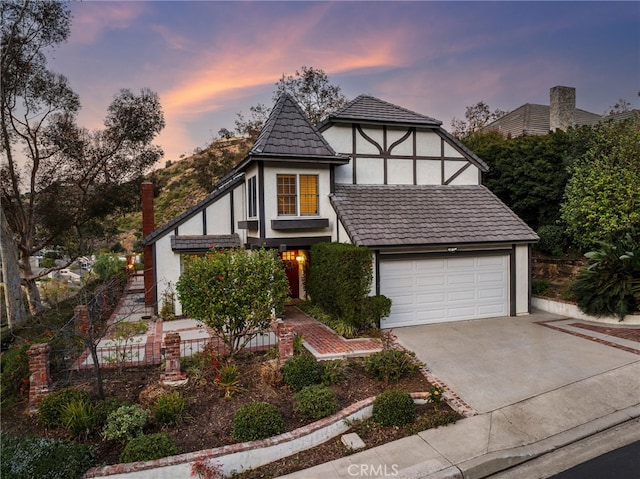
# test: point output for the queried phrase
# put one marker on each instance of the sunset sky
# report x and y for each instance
(209, 60)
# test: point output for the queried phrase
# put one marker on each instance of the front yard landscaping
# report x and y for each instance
(200, 415)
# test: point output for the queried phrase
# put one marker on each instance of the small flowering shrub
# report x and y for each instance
(300, 371)
(257, 420)
(315, 402)
(394, 408)
(125, 423)
(435, 395)
(148, 448)
(38, 457)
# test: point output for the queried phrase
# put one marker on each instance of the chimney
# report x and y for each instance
(562, 107)
(148, 225)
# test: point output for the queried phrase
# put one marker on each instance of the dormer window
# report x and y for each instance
(297, 193)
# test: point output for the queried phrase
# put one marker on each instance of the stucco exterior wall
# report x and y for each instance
(325, 210)
(167, 270)
(423, 157)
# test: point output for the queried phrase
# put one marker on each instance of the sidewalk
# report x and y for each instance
(482, 445)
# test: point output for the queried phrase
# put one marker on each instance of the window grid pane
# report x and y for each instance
(308, 194)
(287, 195)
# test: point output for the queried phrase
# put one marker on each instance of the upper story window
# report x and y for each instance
(297, 193)
(252, 197)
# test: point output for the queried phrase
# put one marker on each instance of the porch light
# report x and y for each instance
(299, 259)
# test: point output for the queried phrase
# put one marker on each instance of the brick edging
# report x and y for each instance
(217, 452)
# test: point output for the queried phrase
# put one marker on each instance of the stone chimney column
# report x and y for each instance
(148, 225)
(562, 107)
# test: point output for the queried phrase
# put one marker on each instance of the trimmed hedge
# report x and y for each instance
(148, 448)
(300, 371)
(315, 402)
(257, 420)
(394, 408)
(339, 281)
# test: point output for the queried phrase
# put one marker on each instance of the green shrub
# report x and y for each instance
(315, 402)
(300, 371)
(148, 448)
(104, 407)
(169, 408)
(333, 371)
(125, 423)
(540, 286)
(391, 365)
(37, 457)
(78, 417)
(339, 280)
(53, 405)
(610, 283)
(14, 374)
(394, 408)
(257, 420)
(554, 240)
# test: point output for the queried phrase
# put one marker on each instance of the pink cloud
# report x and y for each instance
(91, 20)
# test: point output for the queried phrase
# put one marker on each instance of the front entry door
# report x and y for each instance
(293, 275)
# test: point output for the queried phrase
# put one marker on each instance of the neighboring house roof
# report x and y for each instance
(531, 119)
(289, 133)
(410, 215)
(623, 115)
(187, 243)
(223, 186)
(368, 109)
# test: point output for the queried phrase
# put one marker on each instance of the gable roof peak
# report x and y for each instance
(369, 109)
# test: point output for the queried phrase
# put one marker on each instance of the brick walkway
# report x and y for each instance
(323, 342)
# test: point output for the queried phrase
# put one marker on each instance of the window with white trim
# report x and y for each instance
(297, 195)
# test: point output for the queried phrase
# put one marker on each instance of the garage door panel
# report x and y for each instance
(430, 281)
(426, 291)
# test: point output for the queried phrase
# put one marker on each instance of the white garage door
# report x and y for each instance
(426, 291)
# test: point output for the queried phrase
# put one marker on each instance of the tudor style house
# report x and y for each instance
(374, 174)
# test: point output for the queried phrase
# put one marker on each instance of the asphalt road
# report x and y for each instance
(623, 463)
(610, 454)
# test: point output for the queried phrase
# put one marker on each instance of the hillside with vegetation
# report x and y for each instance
(180, 185)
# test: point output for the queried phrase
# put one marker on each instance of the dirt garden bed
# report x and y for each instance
(209, 416)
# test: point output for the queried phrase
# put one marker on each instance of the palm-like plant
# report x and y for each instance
(610, 283)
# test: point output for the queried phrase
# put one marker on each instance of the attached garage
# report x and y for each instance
(444, 288)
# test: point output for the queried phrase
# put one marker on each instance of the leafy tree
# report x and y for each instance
(477, 116)
(620, 106)
(529, 174)
(59, 180)
(309, 86)
(602, 199)
(106, 265)
(234, 292)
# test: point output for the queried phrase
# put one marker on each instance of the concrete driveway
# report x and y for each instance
(493, 363)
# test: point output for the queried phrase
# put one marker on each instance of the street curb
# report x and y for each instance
(491, 463)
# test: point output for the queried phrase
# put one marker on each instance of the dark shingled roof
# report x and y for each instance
(289, 132)
(204, 243)
(403, 215)
(368, 109)
(531, 119)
